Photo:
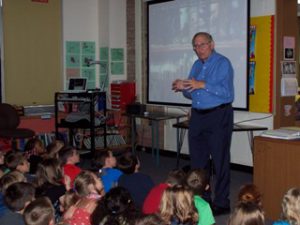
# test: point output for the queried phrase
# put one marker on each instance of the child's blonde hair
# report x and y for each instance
(249, 207)
(247, 213)
(54, 148)
(291, 206)
(83, 181)
(177, 203)
(68, 199)
(49, 171)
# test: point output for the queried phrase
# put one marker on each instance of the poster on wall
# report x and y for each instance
(78, 54)
(252, 42)
(288, 48)
(288, 68)
(72, 59)
(262, 99)
(252, 78)
(289, 86)
(117, 61)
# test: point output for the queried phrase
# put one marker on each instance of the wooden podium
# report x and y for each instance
(276, 169)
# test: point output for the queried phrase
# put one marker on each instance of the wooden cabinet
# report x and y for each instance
(276, 169)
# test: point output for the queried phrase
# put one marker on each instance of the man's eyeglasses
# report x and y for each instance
(201, 46)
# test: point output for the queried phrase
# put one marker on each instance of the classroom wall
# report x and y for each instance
(101, 21)
(240, 149)
(80, 23)
(104, 21)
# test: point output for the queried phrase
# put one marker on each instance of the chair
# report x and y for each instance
(9, 122)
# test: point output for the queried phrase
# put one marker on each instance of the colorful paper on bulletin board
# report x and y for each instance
(78, 54)
(72, 61)
(262, 99)
(103, 67)
(252, 78)
(85, 60)
(252, 42)
(117, 68)
(88, 47)
(104, 54)
(117, 54)
(73, 47)
(89, 73)
(72, 72)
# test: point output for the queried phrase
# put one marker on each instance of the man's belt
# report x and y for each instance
(209, 110)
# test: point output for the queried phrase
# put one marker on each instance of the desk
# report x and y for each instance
(183, 126)
(155, 118)
(276, 169)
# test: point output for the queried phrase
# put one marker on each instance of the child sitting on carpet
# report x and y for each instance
(69, 157)
(106, 162)
(137, 183)
(34, 151)
(152, 201)
(197, 181)
(16, 160)
(89, 188)
(39, 211)
(249, 207)
(17, 196)
(290, 208)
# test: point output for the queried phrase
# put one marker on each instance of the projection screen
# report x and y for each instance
(171, 26)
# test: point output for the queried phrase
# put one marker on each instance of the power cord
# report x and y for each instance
(260, 118)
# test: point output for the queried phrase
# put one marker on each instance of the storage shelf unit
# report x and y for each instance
(82, 110)
(122, 94)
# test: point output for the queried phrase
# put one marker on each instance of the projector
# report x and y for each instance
(136, 108)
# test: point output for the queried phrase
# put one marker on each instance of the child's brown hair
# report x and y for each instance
(39, 212)
(18, 195)
(13, 159)
(10, 178)
(197, 181)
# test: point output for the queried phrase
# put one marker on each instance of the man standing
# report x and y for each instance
(210, 86)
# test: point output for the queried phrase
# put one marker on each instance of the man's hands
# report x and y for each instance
(177, 85)
(190, 85)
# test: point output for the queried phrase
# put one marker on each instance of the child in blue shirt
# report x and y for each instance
(106, 162)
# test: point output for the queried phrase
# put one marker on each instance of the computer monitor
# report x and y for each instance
(77, 84)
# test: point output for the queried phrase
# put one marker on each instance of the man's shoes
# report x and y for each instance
(217, 211)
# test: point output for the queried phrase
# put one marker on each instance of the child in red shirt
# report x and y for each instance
(69, 158)
(152, 201)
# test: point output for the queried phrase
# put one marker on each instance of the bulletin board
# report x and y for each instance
(261, 64)
(32, 38)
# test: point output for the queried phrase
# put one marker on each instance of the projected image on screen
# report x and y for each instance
(171, 26)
